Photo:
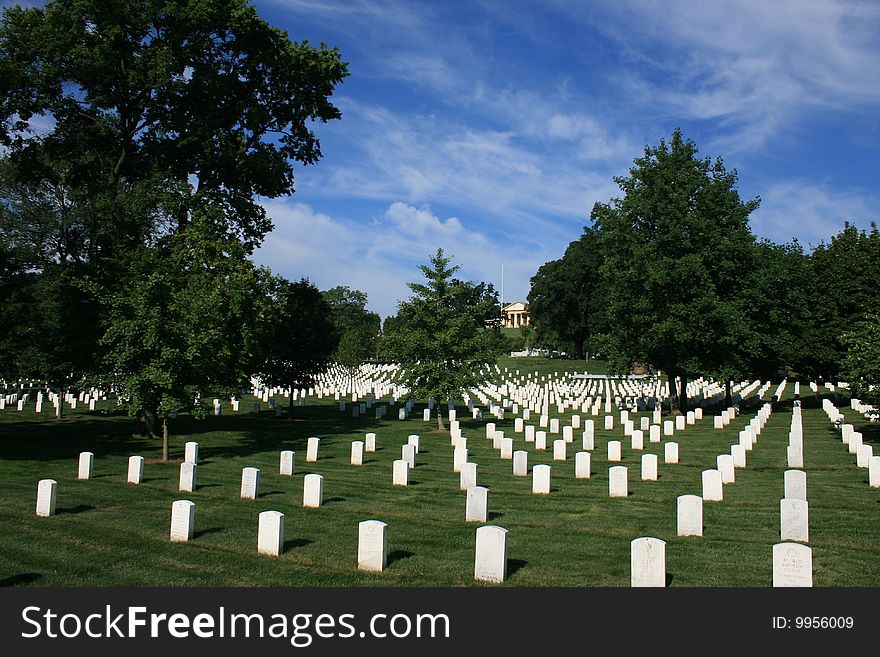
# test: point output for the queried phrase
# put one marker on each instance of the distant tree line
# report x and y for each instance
(670, 277)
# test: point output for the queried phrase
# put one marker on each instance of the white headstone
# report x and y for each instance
(270, 537)
(288, 462)
(541, 480)
(372, 546)
(357, 452)
(46, 491)
(313, 490)
(649, 467)
(670, 452)
(718, 422)
(637, 440)
(468, 477)
(187, 477)
(874, 472)
(408, 454)
(690, 515)
(568, 434)
(191, 452)
(370, 442)
(582, 465)
(713, 490)
(507, 448)
(541, 440)
(312, 449)
(792, 565)
(588, 442)
(645, 423)
(250, 483)
(654, 433)
(521, 463)
(864, 454)
(724, 464)
(794, 520)
(648, 562)
(85, 465)
(559, 450)
(477, 507)
(613, 450)
(530, 433)
(795, 456)
(738, 452)
(400, 473)
(490, 563)
(668, 428)
(135, 469)
(618, 485)
(609, 422)
(795, 484)
(414, 441)
(183, 516)
(554, 425)
(459, 458)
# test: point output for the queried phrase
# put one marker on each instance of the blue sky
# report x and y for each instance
(490, 128)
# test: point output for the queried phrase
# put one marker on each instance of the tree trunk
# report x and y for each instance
(728, 397)
(440, 427)
(579, 345)
(151, 419)
(290, 405)
(164, 440)
(682, 396)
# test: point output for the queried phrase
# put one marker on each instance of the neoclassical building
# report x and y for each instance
(515, 314)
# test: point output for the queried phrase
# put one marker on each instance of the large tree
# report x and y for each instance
(441, 338)
(860, 366)
(567, 296)
(122, 122)
(357, 327)
(201, 96)
(181, 326)
(674, 247)
(297, 336)
(843, 287)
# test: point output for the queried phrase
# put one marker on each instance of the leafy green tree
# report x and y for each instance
(567, 296)
(181, 326)
(861, 363)
(202, 97)
(440, 337)
(123, 122)
(297, 336)
(673, 248)
(357, 327)
(843, 286)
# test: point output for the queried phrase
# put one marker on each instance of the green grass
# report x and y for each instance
(110, 533)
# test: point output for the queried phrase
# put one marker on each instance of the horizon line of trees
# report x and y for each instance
(670, 277)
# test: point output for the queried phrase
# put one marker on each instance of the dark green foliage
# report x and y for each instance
(357, 327)
(844, 286)
(567, 296)
(861, 363)
(673, 247)
(180, 327)
(440, 337)
(297, 336)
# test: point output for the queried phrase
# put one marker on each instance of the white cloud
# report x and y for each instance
(811, 212)
(379, 258)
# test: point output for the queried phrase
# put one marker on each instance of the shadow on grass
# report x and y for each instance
(21, 579)
(494, 515)
(82, 508)
(669, 578)
(272, 492)
(399, 555)
(208, 531)
(514, 565)
(330, 500)
(296, 543)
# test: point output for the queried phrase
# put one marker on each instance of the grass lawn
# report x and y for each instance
(111, 533)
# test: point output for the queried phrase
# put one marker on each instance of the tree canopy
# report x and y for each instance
(674, 247)
(357, 327)
(441, 338)
(566, 299)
